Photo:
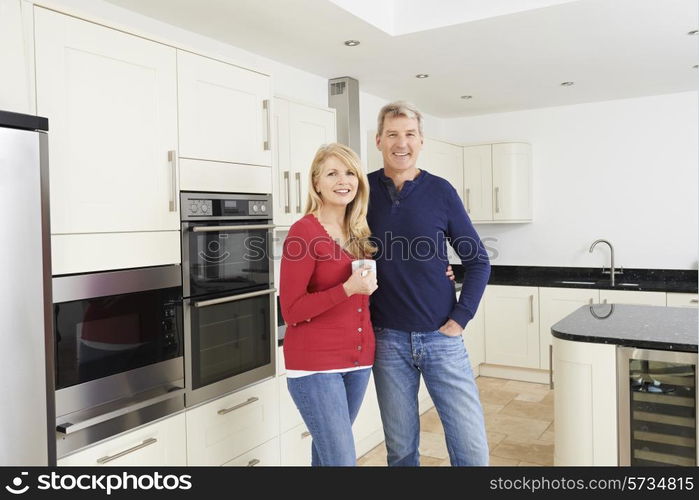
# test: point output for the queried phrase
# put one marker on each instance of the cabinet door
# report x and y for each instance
(512, 181)
(682, 300)
(628, 297)
(160, 444)
(112, 101)
(474, 338)
(445, 160)
(309, 128)
(478, 182)
(295, 445)
(512, 326)
(265, 455)
(367, 427)
(281, 172)
(372, 157)
(554, 305)
(224, 111)
(585, 404)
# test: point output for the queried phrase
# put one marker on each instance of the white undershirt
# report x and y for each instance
(304, 373)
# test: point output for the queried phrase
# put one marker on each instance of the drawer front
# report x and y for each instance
(295, 446)
(289, 415)
(682, 300)
(221, 430)
(265, 455)
(160, 444)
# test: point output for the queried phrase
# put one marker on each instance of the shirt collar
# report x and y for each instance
(408, 186)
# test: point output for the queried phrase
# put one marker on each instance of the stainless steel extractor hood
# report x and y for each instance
(343, 95)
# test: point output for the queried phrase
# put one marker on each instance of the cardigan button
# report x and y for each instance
(359, 348)
(359, 330)
(359, 310)
(308, 320)
(356, 363)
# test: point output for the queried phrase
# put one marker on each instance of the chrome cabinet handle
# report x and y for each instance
(109, 458)
(233, 298)
(298, 192)
(550, 366)
(237, 407)
(287, 193)
(604, 301)
(468, 200)
(591, 301)
(213, 229)
(694, 301)
(497, 200)
(253, 462)
(531, 309)
(305, 434)
(172, 159)
(267, 144)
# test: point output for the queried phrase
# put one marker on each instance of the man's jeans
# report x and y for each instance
(443, 361)
(329, 403)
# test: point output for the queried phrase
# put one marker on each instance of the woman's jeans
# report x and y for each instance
(329, 403)
(401, 357)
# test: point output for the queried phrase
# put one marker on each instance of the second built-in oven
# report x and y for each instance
(228, 292)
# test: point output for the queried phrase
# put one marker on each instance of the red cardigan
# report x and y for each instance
(325, 329)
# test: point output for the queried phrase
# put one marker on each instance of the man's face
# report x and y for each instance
(400, 142)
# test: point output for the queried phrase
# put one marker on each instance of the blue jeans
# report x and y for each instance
(443, 361)
(329, 403)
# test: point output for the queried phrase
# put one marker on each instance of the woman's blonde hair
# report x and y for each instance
(356, 225)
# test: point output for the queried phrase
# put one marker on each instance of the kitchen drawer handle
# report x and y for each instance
(172, 159)
(236, 407)
(694, 301)
(298, 192)
(265, 108)
(550, 366)
(233, 298)
(109, 458)
(305, 434)
(497, 200)
(253, 462)
(531, 309)
(468, 200)
(591, 301)
(287, 193)
(604, 301)
(213, 229)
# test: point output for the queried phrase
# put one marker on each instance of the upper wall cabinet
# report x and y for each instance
(498, 182)
(445, 160)
(300, 130)
(111, 100)
(224, 111)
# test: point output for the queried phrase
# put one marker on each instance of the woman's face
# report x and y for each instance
(337, 183)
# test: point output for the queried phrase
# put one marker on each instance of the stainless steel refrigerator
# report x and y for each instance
(27, 417)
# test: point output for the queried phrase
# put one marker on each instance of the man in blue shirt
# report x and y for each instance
(417, 321)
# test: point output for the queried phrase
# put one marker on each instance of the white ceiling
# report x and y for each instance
(506, 58)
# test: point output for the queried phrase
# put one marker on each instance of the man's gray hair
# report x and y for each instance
(399, 108)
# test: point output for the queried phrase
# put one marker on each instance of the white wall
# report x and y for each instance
(623, 170)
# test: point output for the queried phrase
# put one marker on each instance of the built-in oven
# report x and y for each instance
(228, 292)
(119, 352)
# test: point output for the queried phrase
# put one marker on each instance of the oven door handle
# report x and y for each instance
(170, 392)
(209, 229)
(233, 298)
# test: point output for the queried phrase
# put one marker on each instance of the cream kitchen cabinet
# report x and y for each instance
(112, 101)
(512, 326)
(224, 111)
(295, 446)
(445, 160)
(219, 431)
(300, 130)
(554, 305)
(682, 300)
(585, 404)
(632, 297)
(162, 443)
(474, 339)
(265, 455)
(498, 182)
(367, 427)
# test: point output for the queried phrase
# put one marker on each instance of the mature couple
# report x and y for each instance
(415, 323)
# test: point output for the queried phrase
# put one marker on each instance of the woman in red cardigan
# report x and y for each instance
(329, 341)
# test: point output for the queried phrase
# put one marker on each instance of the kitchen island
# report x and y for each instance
(625, 385)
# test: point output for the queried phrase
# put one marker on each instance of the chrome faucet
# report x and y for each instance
(612, 272)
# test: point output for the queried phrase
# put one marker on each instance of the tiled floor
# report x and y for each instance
(518, 420)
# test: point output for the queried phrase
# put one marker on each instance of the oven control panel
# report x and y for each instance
(225, 206)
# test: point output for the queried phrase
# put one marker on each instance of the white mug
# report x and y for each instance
(356, 264)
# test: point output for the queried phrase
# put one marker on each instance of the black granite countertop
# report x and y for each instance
(649, 327)
(660, 280)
